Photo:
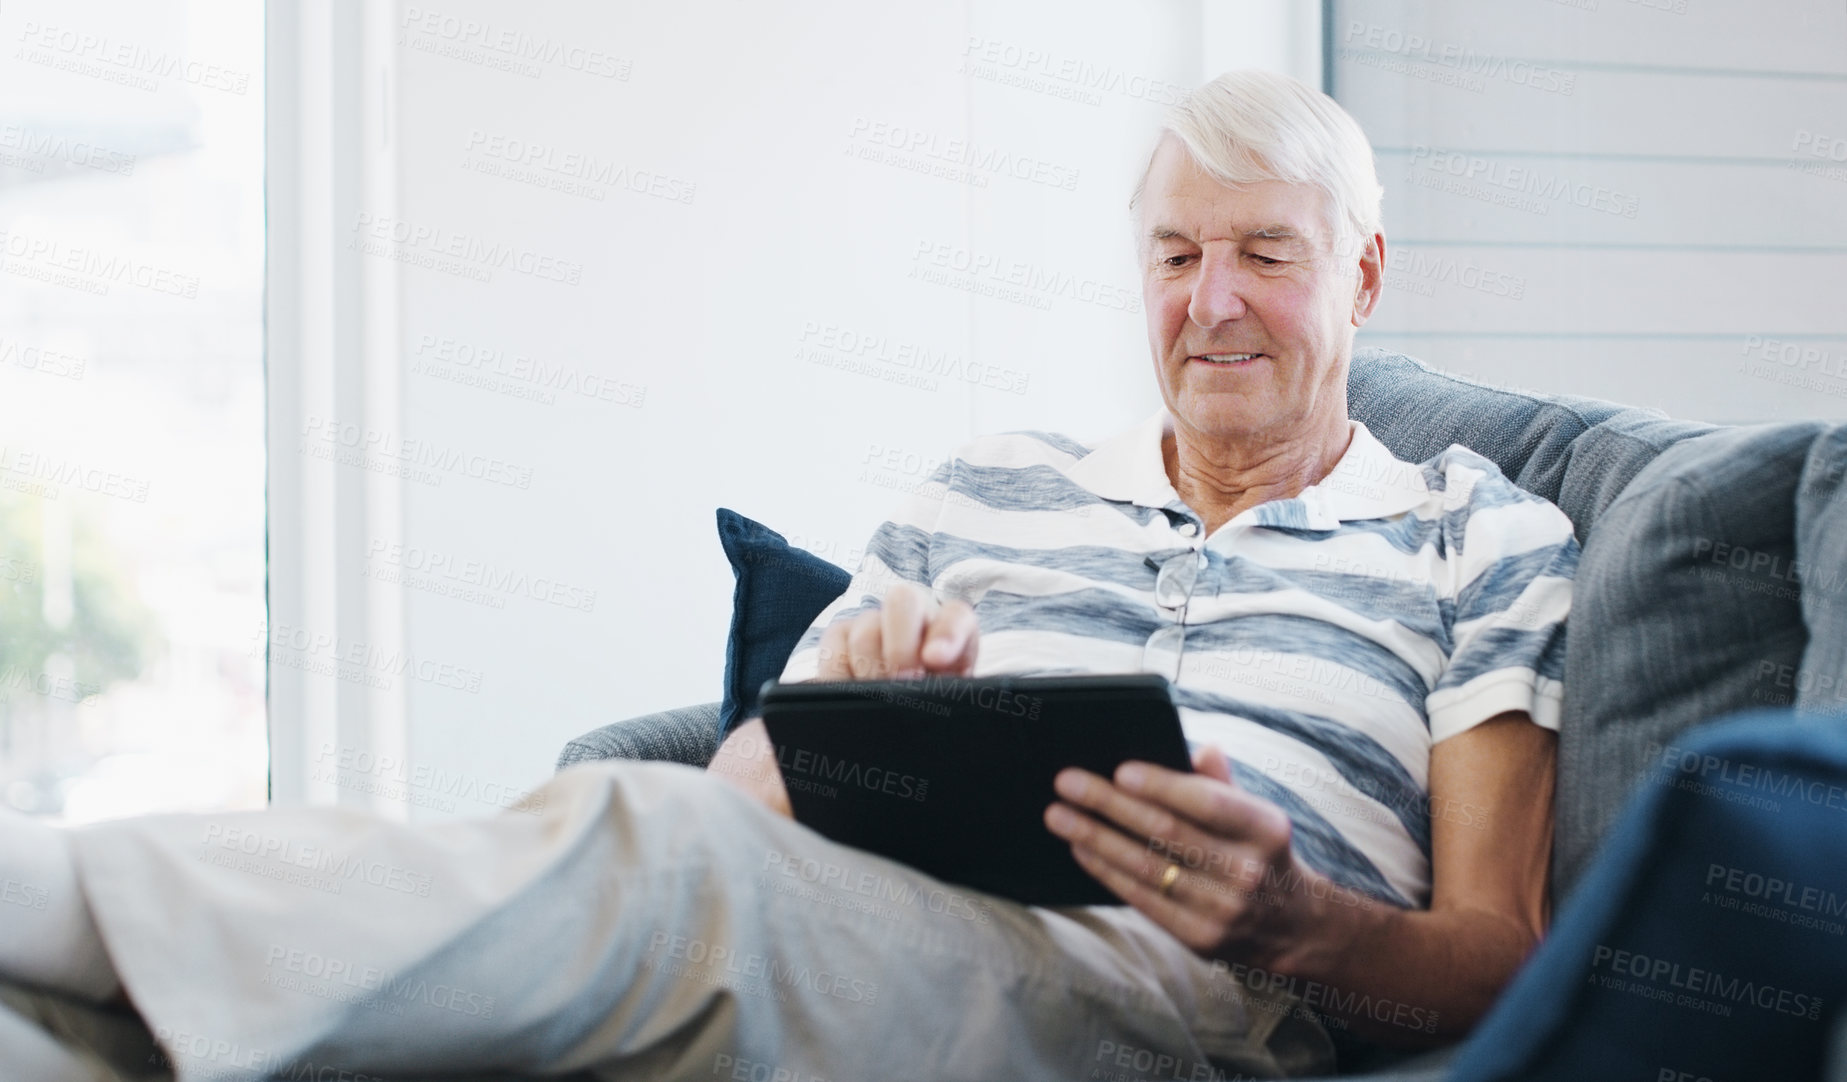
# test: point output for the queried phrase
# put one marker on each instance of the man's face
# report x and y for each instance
(1231, 272)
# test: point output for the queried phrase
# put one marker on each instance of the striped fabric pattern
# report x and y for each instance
(1324, 642)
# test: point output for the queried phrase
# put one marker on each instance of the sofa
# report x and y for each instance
(1713, 582)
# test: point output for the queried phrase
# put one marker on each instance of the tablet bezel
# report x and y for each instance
(1017, 722)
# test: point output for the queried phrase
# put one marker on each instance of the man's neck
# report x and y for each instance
(1220, 479)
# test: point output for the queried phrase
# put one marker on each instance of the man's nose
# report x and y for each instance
(1218, 292)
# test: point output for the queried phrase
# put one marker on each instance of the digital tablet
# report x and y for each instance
(952, 775)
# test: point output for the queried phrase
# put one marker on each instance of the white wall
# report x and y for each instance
(716, 195)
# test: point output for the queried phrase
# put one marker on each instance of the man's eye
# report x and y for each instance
(1175, 260)
(1266, 261)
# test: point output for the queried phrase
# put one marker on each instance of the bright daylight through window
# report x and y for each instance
(131, 417)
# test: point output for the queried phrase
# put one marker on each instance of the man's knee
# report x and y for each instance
(680, 805)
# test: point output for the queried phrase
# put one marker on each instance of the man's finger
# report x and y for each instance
(951, 640)
(1173, 806)
(1221, 808)
(1137, 859)
(834, 661)
(865, 654)
(906, 611)
(1151, 831)
(1213, 763)
(1130, 877)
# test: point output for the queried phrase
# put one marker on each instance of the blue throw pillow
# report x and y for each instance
(780, 590)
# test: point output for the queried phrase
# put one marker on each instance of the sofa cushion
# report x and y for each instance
(1707, 941)
(780, 590)
(1685, 608)
(1579, 453)
(1821, 550)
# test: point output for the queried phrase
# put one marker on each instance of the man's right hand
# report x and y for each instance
(906, 637)
(909, 635)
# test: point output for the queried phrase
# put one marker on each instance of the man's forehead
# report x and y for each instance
(1303, 231)
(1181, 200)
(1276, 230)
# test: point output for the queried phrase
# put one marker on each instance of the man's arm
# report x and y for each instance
(1400, 977)
(746, 762)
(1491, 848)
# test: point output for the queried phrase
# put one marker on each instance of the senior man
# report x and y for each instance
(1365, 653)
(1375, 644)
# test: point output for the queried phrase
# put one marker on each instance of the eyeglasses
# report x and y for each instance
(1173, 588)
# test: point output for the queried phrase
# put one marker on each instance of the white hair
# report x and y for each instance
(1246, 127)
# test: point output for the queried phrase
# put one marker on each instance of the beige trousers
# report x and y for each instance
(641, 921)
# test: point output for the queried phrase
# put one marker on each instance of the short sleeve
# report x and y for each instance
(1511, 557)
(898, 552)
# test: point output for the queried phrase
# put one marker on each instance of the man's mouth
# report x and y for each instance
(1226, 360)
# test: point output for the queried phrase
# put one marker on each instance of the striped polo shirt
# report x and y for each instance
(1323, 642)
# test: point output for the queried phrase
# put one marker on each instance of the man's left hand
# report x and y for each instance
(1237, 893)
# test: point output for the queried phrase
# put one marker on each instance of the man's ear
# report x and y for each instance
(1369, 266)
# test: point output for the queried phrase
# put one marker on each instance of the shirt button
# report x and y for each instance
(1188, 529)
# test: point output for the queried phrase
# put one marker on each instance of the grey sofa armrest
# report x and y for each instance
(687, 735)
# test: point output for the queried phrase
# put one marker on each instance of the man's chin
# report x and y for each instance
(1228, 421)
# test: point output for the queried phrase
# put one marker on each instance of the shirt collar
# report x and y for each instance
(1368, 482)
(1128, 467)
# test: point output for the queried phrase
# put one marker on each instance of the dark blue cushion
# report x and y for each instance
(1708, 935)
(780, 590)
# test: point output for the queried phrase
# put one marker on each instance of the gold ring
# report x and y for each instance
(1168, 877)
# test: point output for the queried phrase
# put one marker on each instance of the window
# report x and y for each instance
(131, 407)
